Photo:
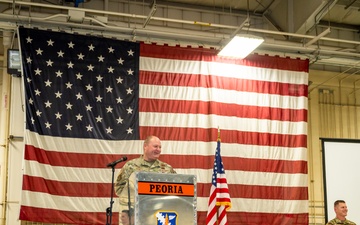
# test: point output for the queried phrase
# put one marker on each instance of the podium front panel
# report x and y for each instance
(162, 199)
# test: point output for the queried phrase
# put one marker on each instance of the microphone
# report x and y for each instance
(112, 164)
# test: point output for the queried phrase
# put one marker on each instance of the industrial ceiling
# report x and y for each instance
(324, 31)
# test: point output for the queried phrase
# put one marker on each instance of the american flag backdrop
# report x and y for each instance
(91, 100)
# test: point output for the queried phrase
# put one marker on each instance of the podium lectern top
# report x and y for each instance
(164, 199)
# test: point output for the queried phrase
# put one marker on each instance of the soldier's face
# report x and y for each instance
(341, 209)
(152, 150)
(124, 218)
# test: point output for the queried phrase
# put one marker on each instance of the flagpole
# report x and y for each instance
(218, 139)
(217, 208)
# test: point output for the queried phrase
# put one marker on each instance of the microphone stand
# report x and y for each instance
(109, 209)
(129, 203)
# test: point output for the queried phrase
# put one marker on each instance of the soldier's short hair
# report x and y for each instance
(148, 138)
(337, 202)
(127, 211)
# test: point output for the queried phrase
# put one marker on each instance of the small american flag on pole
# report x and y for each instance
(219, 200)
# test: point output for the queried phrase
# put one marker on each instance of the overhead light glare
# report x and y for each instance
(241, 46)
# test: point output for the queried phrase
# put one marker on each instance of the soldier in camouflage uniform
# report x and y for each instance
(341, 210)
(149, 161)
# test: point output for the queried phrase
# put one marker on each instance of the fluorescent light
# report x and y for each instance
(241, 46)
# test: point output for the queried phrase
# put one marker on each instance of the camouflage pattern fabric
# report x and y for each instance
(337, 221)
(125, 182)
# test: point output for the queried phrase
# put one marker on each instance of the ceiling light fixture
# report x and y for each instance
(241, 46)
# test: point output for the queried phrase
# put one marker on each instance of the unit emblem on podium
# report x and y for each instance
(166, 218)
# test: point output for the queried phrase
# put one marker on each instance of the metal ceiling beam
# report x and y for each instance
(350, 4)
(207, 38)
(201, 35)
(315, 39)
(151, 13)
(316, 16)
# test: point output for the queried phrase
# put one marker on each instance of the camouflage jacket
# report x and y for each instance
(337, 221)
(125, 180)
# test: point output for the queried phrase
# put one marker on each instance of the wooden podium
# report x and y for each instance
(163, 199)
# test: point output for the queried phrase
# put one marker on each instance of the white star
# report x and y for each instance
(119, 120)
(47, 125)
(129, 91)
(130, 52)
(78, 96)
(31, 101)
(119, 80)
(129, 131)
(99, 78)
(28, 60)
(58, 94)
(109, 130)
(98, 119)
(91, 47)
(129, 110)
(111, 50)
(49, 62)
(70, 65)
(119, 100)
(79, 76)
(69, 105)
(130, 72)
(37, 71)
(101, 58)
(68, 85)
(121, 61)
(50, 42)
(68, 126)
(38, 113)
(28, 80)
(79, 117)
(88, 107)
(88, 87)
(48, 83)
(98, 98)
(109, 109)
(28, 40)
(58, 115)
(109, 89)
(110, 69)
(90, 67)
(39, 51)
(71, 45)
(58, 73)
(48, 104)
(37, 92)
(81, 56)
(89, 128)
(32, 120)
(61, 54)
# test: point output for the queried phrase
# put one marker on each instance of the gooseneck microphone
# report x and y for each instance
(112, 164)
